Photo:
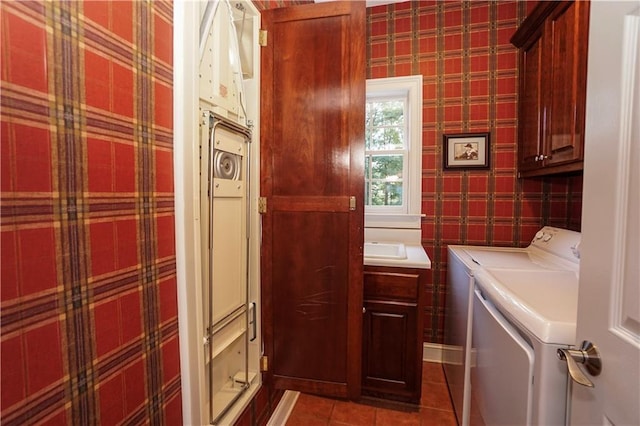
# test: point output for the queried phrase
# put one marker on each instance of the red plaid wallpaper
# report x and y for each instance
(88, 299)
(88, 290)
(470, 77)
(274, 4)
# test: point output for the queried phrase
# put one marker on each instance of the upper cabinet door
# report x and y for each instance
(312, 160)
(568, 35)
(531, 104)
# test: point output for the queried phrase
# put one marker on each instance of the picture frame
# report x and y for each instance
(466, 151)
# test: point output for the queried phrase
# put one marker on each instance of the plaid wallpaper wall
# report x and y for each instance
(274, 4)
(88, 299)
(470, 75)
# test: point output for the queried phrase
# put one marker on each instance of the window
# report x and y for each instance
(393, 145)
(385, 153)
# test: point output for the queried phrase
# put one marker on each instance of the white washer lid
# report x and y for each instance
(544, 302)
(514, 259)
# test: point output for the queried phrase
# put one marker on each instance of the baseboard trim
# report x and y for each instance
(435, 352)
(284, 409)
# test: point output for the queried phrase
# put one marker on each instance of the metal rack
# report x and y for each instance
(224, 204)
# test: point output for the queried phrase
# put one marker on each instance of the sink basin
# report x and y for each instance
(385, 250)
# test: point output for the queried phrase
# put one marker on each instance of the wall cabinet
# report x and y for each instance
(552, 87)
(392, 333)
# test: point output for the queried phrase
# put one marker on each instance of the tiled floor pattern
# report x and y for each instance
(435, 408)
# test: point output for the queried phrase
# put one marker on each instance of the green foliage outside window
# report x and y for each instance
(384, 146)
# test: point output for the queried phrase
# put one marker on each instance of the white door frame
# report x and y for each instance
(186, 61)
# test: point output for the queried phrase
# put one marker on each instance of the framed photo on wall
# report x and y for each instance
(466, 151)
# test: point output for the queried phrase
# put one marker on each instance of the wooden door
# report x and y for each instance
(312, 160)
(392, 333)
(388, 355)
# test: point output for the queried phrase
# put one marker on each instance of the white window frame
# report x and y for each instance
(408, 216)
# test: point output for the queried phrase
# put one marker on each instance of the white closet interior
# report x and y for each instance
(229, 227)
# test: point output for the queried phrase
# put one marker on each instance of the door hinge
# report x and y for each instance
(262, 205)
(352, 203)
(262, 38)
(264, 364)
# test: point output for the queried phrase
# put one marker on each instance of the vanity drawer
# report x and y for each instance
(391, 283)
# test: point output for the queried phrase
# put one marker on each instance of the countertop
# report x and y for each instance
(416, 258)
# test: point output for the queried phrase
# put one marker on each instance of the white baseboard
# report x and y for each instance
(284, 408)
(435, 352)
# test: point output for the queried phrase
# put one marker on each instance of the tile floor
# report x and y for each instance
(435, 407)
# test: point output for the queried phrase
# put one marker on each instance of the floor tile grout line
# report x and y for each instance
(428, 383)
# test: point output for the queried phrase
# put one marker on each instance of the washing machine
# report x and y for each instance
(552, 249)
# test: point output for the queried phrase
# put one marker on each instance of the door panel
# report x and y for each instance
(312, 124)
(608, 309)
(307, 268)
(312, 159)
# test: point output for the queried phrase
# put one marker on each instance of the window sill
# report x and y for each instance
(402, 221)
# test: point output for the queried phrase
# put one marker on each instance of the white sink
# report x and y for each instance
(385, 250)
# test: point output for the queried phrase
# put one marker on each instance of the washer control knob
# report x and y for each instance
(546, 237)
(539, 235)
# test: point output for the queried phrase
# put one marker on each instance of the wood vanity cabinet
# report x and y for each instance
(552, 44)
(392, 333)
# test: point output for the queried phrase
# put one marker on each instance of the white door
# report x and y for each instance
(609, 301)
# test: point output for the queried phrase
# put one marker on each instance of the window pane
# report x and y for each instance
(367, 201)
(367, 166)
(385, 113)
(386, 193)
(387, 167)
(383, 138)
(384, 127)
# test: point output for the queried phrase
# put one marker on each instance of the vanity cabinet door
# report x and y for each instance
(389, 364)
(392, 334)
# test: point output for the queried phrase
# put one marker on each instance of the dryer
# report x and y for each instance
(552, 249)
(520, 320)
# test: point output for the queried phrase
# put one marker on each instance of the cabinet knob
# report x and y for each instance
(364, 310)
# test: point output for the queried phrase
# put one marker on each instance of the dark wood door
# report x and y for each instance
(312, 160)
(388, 348)
(392, 335)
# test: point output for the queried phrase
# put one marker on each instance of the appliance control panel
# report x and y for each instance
(558, 241)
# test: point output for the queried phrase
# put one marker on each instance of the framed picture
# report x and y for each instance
(466, 151)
